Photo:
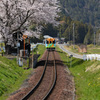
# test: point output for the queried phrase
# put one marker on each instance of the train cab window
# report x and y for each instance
(47, 42)
(50, 41)
(54, 42)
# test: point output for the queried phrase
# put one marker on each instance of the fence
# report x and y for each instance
(93, 57)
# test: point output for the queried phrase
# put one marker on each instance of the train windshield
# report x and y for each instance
(54, 42)
(47, 42)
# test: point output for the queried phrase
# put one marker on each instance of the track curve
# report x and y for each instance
(50, 63)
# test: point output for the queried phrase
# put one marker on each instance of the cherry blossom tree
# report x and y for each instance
(17, 15)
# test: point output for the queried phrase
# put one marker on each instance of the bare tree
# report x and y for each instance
(16, 15)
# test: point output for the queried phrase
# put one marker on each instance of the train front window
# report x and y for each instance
(54, 42)
(47, 42)
(50, 41)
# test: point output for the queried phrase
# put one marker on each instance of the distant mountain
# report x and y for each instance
(87, 11)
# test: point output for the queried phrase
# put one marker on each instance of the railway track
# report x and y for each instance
(48, 77)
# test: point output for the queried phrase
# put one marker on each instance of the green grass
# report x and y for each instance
(93, 50)
(12, 76)
(39, 50)
(75, 49)
(9, 74)
(90, 49)
(2, 44)
(87, 83)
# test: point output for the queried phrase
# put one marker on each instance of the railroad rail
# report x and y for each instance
(54, 80)
(49, 91)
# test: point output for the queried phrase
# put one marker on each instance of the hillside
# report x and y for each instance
(11, 76)
(87, 11)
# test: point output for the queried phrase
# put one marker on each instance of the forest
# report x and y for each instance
(83, 33)
(86, 11)
(84, 14)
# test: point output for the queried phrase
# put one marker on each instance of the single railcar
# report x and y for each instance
(50, 43)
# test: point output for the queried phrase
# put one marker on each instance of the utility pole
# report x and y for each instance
(17, 48)
(69, 33)
(94, 39)
(99, 36)
(73, 36)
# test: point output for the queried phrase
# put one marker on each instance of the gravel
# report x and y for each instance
(64, 88)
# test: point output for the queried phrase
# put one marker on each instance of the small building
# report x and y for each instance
(82, 48)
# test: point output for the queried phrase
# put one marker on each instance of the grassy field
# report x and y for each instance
(86, 75)
(12, 76)
(70, 48)
(39, 50)
(91, 49)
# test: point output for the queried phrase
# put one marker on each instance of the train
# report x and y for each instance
(50, 43)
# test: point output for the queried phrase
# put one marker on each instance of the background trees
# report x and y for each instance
(98, 37)
(87, 11)
(50, 30)
(80, 32)
(83, 33)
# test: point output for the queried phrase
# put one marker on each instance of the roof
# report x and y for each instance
(47, 36)
(52, 39)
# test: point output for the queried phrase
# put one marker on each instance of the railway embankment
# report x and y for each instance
(11, 76)
(63, 90)
(86, 76)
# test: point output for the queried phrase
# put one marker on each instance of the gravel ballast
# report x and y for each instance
(64, 88)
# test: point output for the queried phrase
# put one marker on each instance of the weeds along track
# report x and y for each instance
(47, 82)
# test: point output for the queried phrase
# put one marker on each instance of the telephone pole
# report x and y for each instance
(73, 36)
(17, 48)
(69, 34)
(94, 39)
